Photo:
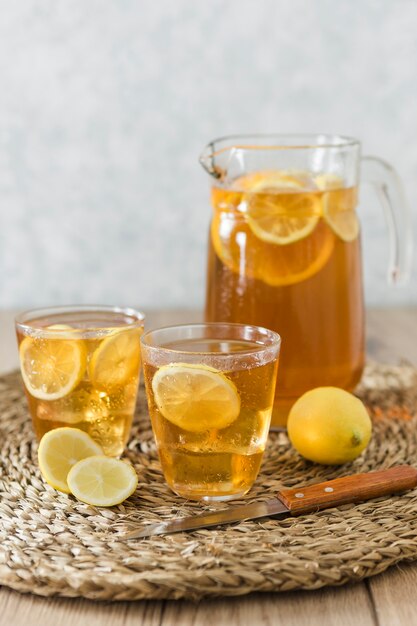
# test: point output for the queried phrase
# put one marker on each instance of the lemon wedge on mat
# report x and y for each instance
(52, 368)
(195, 397)
(59, 450)
(116, 359)
(102, 481)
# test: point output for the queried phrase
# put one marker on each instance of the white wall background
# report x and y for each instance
(105, 106)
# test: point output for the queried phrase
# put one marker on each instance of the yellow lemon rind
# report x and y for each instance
(330, 426)
(346, 234)
(271, 237)
(102, 369)
(48, 441)
(230, 404)
(80, 364)
(84, 469)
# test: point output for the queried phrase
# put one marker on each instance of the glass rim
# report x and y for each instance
(274, 339)
(301, 141)
(23, 319)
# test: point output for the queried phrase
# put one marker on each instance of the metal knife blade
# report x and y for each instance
(307, 499)
(256, 510)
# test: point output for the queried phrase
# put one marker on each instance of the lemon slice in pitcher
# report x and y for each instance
(339, 213)
(52, 368)
(283, 208)
(195, 397)
(116, 359)
(283, 240)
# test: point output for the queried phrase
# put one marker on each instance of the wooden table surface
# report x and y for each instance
(385, 600)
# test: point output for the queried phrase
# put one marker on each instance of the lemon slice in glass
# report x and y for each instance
(59, 450)
(116, 359)
(195, 397)
(102, 481)
(52, 368)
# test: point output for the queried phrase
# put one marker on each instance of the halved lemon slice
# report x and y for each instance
(102, 481)
(116, 359)
(59, 450)
(339, 213)
(195, 397)
(52, 368)
(329, 181)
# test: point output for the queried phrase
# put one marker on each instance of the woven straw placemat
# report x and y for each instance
(51, 544)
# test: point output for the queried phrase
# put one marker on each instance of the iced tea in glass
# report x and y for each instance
(210, 390)
(80, 368)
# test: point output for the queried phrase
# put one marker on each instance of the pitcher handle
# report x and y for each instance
(390, 192)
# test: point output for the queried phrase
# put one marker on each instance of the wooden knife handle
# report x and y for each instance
(348, 489)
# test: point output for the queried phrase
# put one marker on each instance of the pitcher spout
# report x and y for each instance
(208, 161)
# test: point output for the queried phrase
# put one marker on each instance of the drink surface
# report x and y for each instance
(212, 346)
(221, 461)
(82, 370)
(284, 253)
(85, 320)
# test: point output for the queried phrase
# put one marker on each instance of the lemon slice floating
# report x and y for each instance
(102, 481)
(59, 450)
(338, 206)
(344, 223)
(116, 359)
(278, 229)
(282, 240)
(282, 210)
(52, 368)
(329, 181)
(195, 397)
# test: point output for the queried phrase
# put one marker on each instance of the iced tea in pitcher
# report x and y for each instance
(284, 250)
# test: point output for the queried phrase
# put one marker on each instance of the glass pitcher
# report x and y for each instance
(285, 252)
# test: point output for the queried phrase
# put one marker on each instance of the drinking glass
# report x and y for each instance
(210, 390)
(80, 368)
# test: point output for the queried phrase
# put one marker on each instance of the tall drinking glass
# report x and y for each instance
(210, 390)
(80, 368)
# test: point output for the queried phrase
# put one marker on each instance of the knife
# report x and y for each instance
(297, 501)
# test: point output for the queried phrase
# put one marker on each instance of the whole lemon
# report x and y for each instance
(329, 425)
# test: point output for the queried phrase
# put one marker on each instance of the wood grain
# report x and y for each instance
(385, 600)
(348, 606)
(349, 489)
(394, 596)
(25, 610)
